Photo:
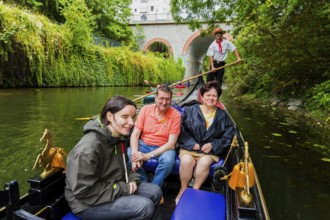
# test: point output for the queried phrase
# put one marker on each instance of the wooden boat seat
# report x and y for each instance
(200, 205)
(150, 166)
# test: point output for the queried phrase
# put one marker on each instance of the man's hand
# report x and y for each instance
(238, 60)
(139, 156)
(136, 165)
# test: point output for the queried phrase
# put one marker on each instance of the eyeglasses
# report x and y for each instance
(217, 33)
(164, 99)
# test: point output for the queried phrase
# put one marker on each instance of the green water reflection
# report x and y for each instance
(287, 154)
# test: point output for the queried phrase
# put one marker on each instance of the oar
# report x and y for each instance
(185, 80)
(172, 85)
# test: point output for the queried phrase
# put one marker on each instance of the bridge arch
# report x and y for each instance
(158, 39)
(189, 41)
(183, 43)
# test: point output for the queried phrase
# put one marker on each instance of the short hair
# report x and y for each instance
(113, 105)
(165, 89)
(210, 85)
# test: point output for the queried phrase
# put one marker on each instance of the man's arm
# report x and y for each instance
(139, 156)
(237, 56)
(212, 63)
(170, 145)
(134, 141)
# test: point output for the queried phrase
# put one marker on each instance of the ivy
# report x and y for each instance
(36, 52)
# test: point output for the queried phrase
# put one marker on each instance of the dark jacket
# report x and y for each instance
(193, 130)
(95, 171)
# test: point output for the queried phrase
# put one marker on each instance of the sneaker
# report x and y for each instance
(176, 201)
(162, 201)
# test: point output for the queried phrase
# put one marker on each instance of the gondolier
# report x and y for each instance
(218, 52)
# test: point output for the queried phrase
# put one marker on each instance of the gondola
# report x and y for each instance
(215, 200)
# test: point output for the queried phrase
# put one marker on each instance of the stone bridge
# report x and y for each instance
(183, 43)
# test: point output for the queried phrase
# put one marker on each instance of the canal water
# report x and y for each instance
(291, 159)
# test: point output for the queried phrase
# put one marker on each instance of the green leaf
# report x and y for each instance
(325, 159)
(276, 134)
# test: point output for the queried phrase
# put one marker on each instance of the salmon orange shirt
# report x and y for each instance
(155, 132)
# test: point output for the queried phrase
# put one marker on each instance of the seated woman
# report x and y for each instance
(206, 131)
(99, 184)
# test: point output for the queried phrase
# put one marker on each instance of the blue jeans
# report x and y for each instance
(140, 205)
(165, 163)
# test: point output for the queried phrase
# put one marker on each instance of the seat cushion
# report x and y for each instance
(70, 216)
(200, 205)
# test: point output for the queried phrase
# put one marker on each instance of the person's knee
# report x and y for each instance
(168, 157)
(205, 162)
(187, 161)
(145, 209)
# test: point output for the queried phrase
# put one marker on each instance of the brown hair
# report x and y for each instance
(210, 85)
(113, 105)
(165, 89)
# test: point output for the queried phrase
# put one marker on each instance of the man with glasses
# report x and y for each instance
(158, 125)
(218, 52)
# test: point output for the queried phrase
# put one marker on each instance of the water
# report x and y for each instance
(287, 154)
(288, 159)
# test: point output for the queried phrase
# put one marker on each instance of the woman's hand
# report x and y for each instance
(207, 148)
(196, 147)
(132, 187)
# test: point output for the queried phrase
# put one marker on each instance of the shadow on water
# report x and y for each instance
(290, 158)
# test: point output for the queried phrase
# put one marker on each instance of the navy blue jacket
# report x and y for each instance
(193, 130)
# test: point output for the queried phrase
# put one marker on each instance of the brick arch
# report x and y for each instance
(147, 45)
(188, 42)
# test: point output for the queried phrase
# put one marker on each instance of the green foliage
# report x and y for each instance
(285, 43)
(112, 18)
(38, 53)
(79, 20)
(318, 97)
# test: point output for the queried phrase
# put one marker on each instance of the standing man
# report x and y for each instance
(159, 127)
(218, 52)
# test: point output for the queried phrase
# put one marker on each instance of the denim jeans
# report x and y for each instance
(165, 163)
(140, 205)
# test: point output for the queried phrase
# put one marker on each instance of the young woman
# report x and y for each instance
(99, 184)
(206, 131)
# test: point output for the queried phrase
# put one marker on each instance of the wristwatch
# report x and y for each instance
(151, 155)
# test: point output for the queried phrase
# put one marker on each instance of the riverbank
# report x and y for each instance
(300, 113)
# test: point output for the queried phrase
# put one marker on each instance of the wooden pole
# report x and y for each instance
(186, 80)
(172, 85)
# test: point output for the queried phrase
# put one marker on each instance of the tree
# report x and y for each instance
(112, 18)
(285, 43)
